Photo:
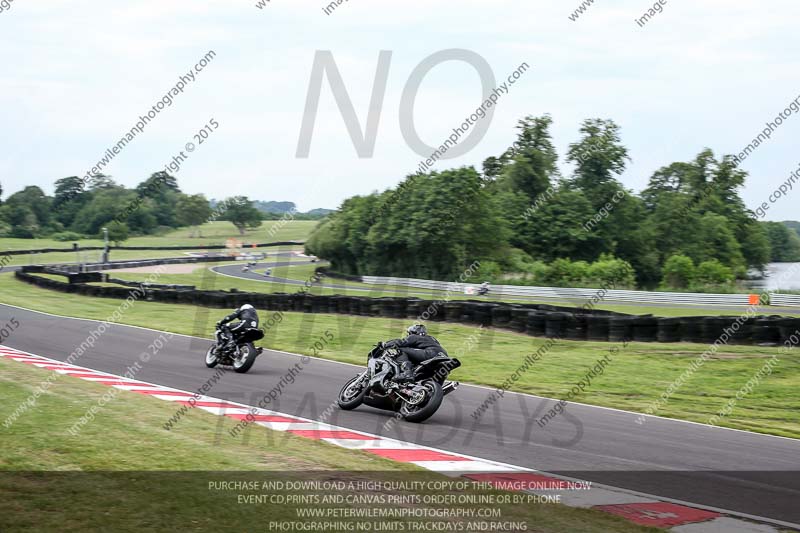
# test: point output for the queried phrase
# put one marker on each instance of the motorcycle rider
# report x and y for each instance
(484, 288)
(417, 346)
(248, 319)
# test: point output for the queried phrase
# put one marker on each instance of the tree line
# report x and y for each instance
(78, 209)
(527, 223)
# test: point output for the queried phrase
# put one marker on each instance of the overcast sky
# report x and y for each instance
(77, 74)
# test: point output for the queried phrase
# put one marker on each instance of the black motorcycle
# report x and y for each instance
(241, 357)
(414, 401)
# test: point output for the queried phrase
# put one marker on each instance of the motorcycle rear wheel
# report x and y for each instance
(420, 413)
(245, 361)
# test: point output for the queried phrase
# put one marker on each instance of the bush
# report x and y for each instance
(489, 270)
(610, 272)
(679, 272)
(537, 272)
(607, 272)
(66, 236)
(566, 273)
(713, 273)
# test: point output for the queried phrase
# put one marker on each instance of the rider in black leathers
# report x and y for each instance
(415, 348)
(248, 319)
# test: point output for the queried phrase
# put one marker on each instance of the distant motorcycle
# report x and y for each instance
(248, 266)
(241, 357)
(415, 401)
(483, 290)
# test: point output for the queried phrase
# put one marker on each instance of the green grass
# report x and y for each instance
(125, 472)
(210, 233)
(637, 377)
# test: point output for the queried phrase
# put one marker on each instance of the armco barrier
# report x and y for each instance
(565, 293)
(787, 300)
(532, 319)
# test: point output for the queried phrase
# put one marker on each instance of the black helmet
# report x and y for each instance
(417, 329)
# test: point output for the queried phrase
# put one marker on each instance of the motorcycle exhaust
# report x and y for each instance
(449, 386)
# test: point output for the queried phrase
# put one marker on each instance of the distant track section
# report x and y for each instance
(154, 248)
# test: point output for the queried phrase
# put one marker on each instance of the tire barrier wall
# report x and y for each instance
(125, 283)
(534, 320)
(142, 248)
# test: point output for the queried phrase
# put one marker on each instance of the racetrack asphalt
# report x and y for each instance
(739, 471)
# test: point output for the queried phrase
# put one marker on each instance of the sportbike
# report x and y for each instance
(241, 356)
(414, 401)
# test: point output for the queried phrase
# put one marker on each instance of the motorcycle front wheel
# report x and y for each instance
(211, 357)
(353, 392)
(427, 405)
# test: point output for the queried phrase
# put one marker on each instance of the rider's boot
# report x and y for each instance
(230, 345)
(406, 372)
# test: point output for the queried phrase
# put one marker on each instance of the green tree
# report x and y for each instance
(100, 182)
(716, 240)
(784, 243)
(555, 228)
(21, 219)
(69, 198)
(598, 156)
(117, 232)
(531, 161)
(240, 212)
(695, 208)
(192, 211)
(29, 213)
(492, 167)
(162, 190)
(454, 221)
(105, 206)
